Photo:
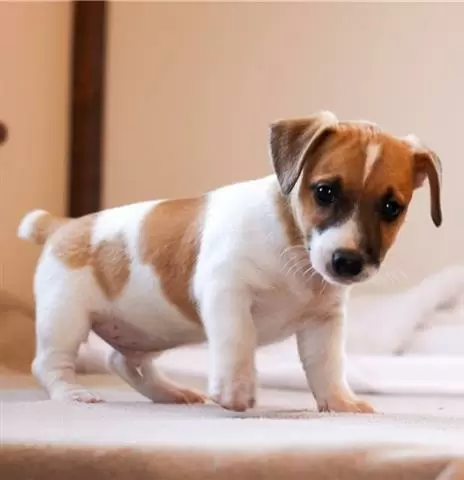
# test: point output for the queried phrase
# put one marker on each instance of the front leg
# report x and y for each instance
(322, 352)
(231, 334)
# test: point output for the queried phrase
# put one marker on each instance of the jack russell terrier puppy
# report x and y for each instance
(242, 266)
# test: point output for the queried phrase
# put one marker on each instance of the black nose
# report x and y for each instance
(347, 263)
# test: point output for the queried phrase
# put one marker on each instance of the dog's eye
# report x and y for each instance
(390, 210)
(325, 194)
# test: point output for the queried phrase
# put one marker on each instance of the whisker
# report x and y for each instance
(296, 263)
(299, 267)
(403, 274)
(393, 278)
(324, 286)
(288, 264)
(385, 277)
(292, 248)
(292, 269)
(311, 271)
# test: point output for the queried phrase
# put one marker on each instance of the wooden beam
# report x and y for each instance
(3, 133)
(87, 107)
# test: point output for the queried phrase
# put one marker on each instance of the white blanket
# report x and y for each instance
(406, 343)
(278, 367)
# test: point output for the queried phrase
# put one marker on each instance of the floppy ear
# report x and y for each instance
(427, 164)
(291, 143)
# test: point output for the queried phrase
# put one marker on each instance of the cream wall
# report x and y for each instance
(192, 87)
(34, 52)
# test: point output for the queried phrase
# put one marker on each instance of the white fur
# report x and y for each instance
(372, 155)
(344, 236)
(26, 226)
(327, 117)
(251, 290)
(414, 142)
(62, 324)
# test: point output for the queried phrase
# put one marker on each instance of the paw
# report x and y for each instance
(79, 395)
(238, 402)
(187, 396)
(237, 397)
(345, 404)
(167, 391)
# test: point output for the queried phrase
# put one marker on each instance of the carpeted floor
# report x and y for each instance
(129, 437)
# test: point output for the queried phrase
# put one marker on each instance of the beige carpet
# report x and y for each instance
(128, 437)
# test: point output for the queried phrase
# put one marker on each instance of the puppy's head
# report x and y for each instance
(349, 185)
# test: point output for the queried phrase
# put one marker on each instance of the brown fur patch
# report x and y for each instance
(343, 154)
(109, 259)
(74, 247)
(44, 226)
(284, 211)
(394, 169)
(111, 265)
(170, 243)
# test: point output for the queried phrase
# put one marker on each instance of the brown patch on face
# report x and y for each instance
(109, 260)
(341, 159)
(170, 243)
(111, 265)
(392, 175)
(74, 247)
(284, 211)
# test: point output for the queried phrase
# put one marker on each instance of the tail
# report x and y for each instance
(37, 226)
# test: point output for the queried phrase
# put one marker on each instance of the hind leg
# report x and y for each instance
(143, 376)
(61, 326)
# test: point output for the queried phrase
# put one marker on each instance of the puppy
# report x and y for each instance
(245, 265)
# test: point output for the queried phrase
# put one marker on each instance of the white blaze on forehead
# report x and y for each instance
(372, 154)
